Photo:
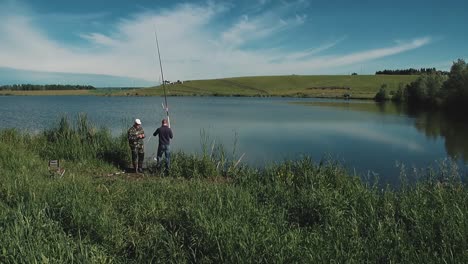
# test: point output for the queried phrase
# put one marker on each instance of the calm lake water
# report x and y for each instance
(365, 137)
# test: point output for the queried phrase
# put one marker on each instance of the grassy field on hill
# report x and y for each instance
(328, 86)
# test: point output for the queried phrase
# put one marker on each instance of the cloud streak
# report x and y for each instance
(261, 26)
(191, 48)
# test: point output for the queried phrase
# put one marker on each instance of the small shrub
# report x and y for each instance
(381, 95)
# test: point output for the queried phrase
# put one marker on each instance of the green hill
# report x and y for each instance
(357, 86)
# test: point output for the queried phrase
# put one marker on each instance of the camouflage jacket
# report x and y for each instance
(132, 135)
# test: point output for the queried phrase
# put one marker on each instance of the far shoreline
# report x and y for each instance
(293, 86)
(79, 93)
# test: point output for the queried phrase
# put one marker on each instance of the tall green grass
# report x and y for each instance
(290, 212)
(81, 140)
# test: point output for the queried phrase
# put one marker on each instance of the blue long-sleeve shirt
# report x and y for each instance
(165, 135)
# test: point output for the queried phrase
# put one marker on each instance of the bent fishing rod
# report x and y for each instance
(166, 107)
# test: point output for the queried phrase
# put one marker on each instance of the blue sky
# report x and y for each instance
(92, 41)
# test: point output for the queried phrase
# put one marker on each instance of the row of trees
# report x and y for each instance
(411, 71)
(38, 87)
(434, 90)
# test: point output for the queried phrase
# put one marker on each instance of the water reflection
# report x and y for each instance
(365, 136)
(452, 129)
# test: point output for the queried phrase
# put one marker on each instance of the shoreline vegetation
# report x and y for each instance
(434, 90)
(212, 209)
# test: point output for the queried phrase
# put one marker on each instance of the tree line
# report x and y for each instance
(434, 90)
(40, 87)
(411, 71)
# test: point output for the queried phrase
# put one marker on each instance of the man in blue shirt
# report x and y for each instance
(165, 136)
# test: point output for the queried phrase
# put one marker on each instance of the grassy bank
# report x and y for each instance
(210, 210)
(328, 86)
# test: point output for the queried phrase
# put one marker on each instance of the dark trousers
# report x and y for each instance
(167, 153)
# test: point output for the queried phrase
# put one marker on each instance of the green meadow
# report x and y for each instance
(322, 86)
(326, 86)
(212, 209)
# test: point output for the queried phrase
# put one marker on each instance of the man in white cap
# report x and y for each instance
(135, 136)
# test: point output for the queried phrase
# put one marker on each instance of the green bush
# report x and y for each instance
(381, 95)
(455, 89)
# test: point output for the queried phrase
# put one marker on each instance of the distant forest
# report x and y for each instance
(37, 87)
(411, 71)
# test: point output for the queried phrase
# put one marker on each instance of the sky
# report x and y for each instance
(113, 43)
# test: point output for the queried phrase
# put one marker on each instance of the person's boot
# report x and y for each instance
(141, 158)
(135, 166)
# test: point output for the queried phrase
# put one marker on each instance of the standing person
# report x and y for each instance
(135, 135)
(165, 136)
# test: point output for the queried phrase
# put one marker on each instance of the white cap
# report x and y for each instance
(138, 121)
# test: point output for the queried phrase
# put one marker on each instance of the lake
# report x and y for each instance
(367, 138)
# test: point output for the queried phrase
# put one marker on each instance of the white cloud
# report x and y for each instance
(316, 65)
(99, 39)
(293, 56)
(379, 53)
(300, 19)
(190, 47)
(261, 26)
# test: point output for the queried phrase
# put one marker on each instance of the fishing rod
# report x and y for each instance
(166, 107)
